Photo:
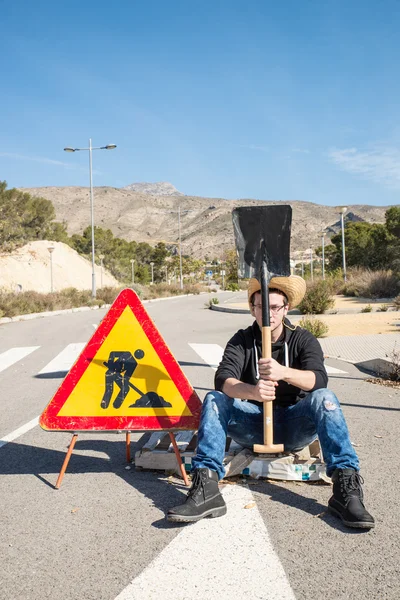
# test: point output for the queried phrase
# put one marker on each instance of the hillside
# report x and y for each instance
(28, 268)
(206, 229)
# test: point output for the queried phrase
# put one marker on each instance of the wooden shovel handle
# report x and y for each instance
(268, 413)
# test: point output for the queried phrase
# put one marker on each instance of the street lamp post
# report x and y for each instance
(342, 212)
(152, 273)
(323, 234)
(90, 149)
(184, 212)
(223, 279)
(101, 257)
(133, 270)
(51, 250)
(166, 274)
(302, 266)
(311, 263)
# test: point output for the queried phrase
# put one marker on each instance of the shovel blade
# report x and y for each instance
(262, 235)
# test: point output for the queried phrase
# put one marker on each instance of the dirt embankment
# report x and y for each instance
(32, 267)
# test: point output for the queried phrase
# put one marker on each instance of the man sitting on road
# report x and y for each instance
(296, 379)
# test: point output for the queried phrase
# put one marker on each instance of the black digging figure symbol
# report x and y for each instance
(120, 368)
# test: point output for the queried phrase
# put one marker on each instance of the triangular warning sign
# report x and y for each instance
(125, 379)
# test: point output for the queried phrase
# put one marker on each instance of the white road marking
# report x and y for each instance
(13, 355)
(239, 563)
(64, 360)
(18, 432)
(332, 370)
(212, 355)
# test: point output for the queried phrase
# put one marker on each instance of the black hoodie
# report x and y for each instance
(244, 349)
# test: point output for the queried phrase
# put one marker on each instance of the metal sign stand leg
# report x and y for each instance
(128, 457)
(66, 460)
(128, 446)
(179, 459)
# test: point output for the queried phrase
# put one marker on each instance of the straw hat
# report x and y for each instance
(294, 288)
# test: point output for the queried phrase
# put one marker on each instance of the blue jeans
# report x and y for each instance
(318, 414)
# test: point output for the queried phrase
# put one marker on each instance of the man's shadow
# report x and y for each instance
(308, 505)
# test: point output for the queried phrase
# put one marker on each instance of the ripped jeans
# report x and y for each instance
(318, 414)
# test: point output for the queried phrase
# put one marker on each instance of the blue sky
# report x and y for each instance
(291, 100)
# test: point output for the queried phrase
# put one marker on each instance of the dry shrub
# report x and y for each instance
(314, 326)
(371, 284)
(396, 302)
(108, 294)
(394, 358)
(384, 285)
(14, 304)
(318, 298)
(336, 282)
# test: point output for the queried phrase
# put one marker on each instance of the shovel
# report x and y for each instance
(262, 235)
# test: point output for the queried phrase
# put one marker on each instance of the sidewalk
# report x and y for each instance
(369, 352)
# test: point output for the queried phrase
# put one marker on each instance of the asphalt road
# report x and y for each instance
(105, 527)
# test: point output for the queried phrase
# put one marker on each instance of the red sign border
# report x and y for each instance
(50, 420)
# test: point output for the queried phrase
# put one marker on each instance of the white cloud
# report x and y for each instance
(380, 164)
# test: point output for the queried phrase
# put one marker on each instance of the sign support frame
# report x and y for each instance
(128, 457)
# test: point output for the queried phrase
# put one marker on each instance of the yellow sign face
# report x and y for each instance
(90, 398)
(125, 378)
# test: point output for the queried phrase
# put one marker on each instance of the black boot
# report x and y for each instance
(203, 499)
(347, 499)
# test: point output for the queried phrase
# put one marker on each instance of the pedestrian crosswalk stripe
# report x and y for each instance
(64, 360)
(210, 353)
(13, 355)
(18, 432)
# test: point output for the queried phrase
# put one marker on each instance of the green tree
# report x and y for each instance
(366, 245)
(231, 265)
(392, 217)
(23, 218)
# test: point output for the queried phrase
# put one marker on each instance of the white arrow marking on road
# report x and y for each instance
(227, 557)
(64, 360)
(212, 355)
(13, 355)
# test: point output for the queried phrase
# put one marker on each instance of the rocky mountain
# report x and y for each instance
(161, 188)
(206, 223)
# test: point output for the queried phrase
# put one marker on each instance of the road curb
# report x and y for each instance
(229, 309)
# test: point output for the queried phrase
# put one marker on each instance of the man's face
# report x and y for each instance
(277, 309)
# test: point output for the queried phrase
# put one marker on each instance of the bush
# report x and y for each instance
(395, 365)
(233, 287)
(371, 284)
(396, 303)
(384, 284)
(367, 309)
(318, 298)
(194, 288)
(108, 294)
(314, 326)
(12, 304)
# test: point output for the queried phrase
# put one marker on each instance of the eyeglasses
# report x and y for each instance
(273, 309)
